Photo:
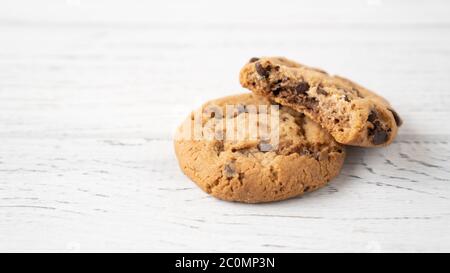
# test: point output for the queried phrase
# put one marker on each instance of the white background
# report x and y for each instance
(91, 92)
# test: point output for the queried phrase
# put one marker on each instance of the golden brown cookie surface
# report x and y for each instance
(252, 170)
(352, 114)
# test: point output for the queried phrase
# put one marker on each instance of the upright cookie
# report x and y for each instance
(255, 168)
(351, 113)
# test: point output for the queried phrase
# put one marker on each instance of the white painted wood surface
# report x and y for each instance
(91, 91)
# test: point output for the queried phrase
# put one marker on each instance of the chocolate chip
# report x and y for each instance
(229, 171)
(278, 81)
(263, 72)
(397, 118)
(310, 103)
(254, 59)
(372, 116)
(241, 177)
(321, 91)
(275, 87)
(346, 98)
(276, 91)
(380, 137)
(302, 88)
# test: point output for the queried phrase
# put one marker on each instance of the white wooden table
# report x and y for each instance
(91, 92)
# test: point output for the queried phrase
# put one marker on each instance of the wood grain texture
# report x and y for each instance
(91, 93)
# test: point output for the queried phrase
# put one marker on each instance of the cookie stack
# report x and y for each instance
(285, 139)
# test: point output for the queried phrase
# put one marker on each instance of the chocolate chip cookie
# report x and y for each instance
(255, 165)
(352, 114)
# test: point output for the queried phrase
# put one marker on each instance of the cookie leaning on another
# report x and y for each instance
(317, 112)
(351, 113)
(245, 170)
